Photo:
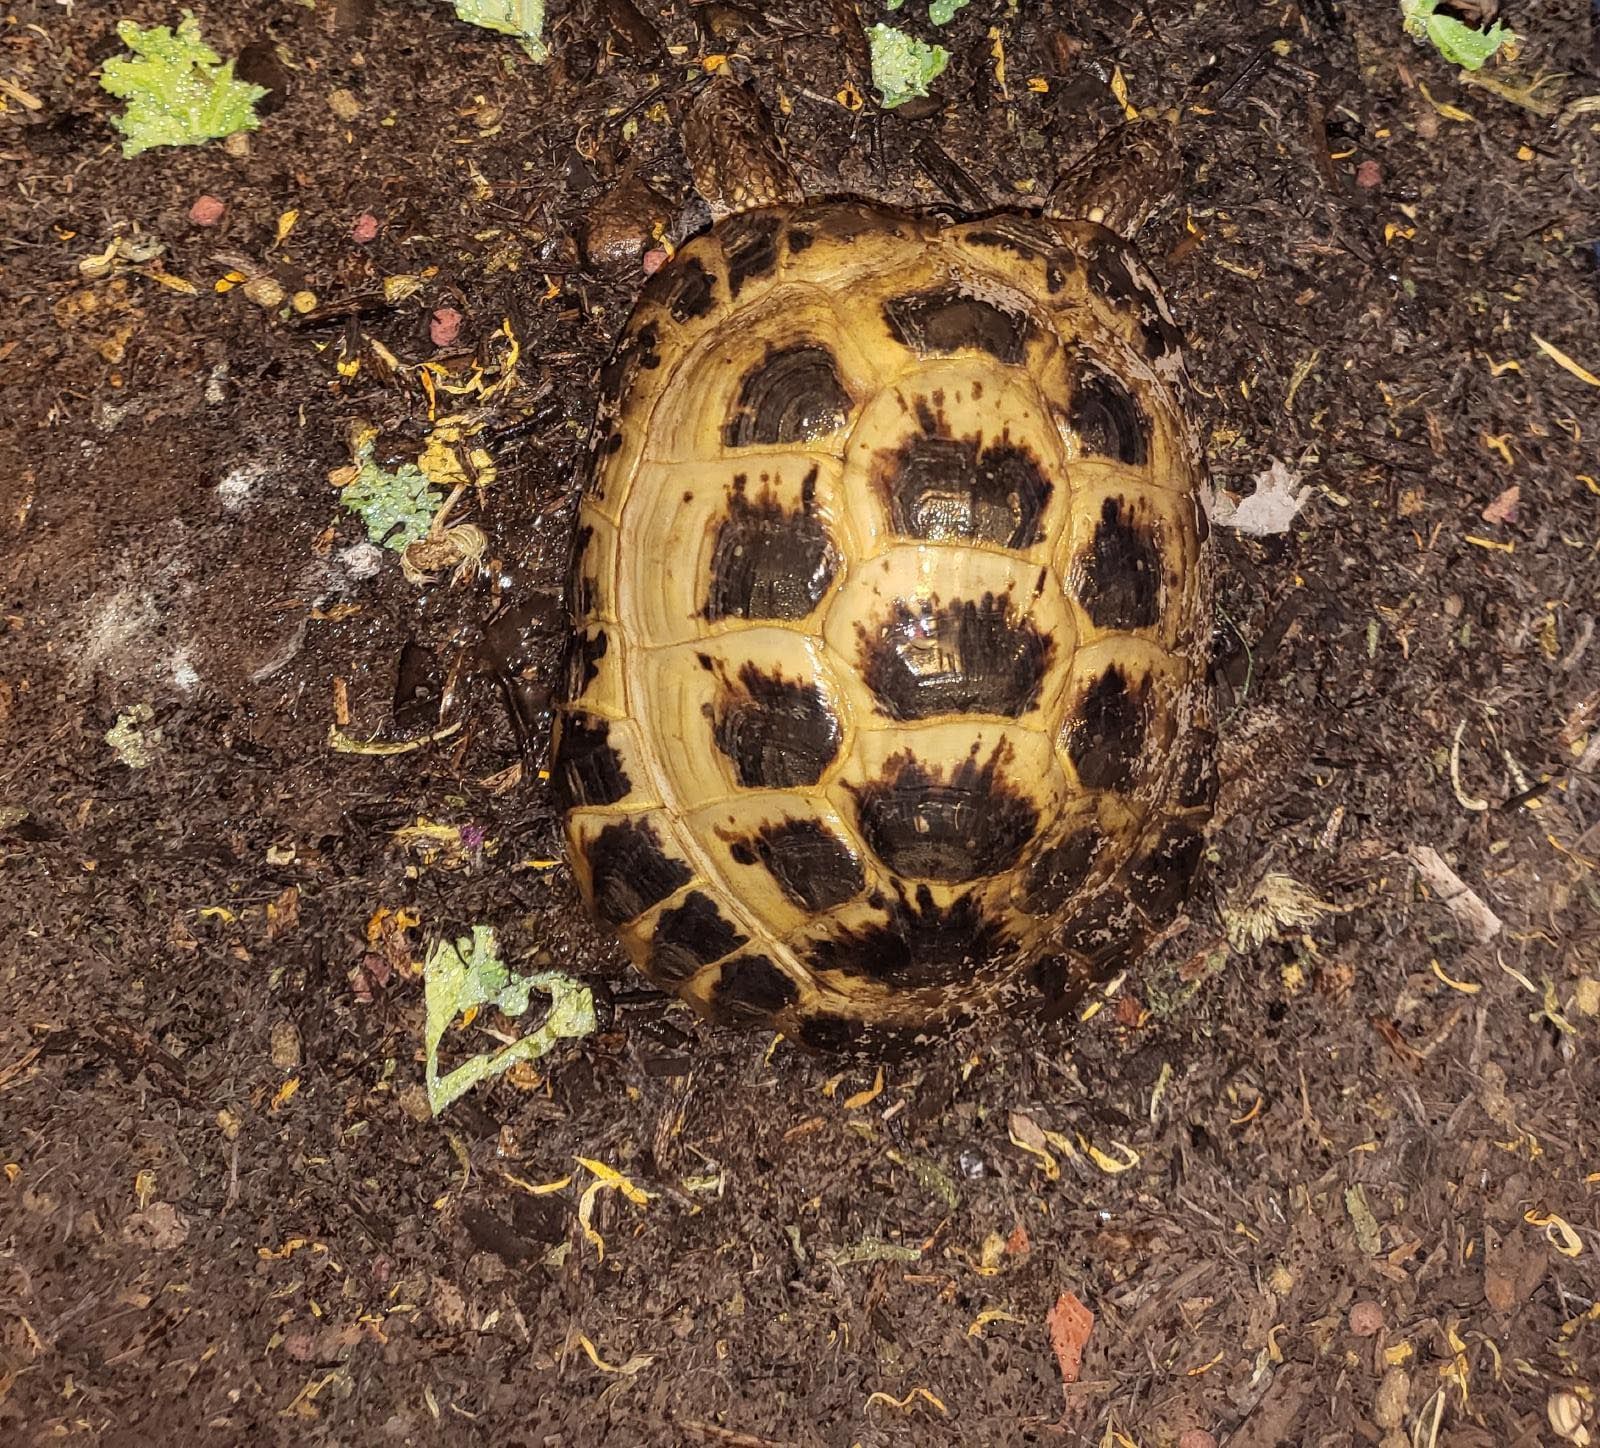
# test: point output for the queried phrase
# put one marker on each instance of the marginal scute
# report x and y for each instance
(1160, 876)
(1059, 870)
(830, 1034)
(685, 288)
(749, 242)
(1117, 578)
(630, 870)
(1106, 932)
(1106, 735)
(587, 769)
(751, 989)
(583, 660)
(1197, 778)
(917, 943)
(690, 935)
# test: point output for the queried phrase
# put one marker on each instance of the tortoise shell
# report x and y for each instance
(886, 695)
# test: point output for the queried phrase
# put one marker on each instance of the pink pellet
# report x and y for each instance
(445, 326)
(365, 228)
(207, 211)
(1366, 1319)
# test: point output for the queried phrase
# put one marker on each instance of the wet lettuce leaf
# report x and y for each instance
(902, 66)
(521, 18)
(179, 91)
(1455, 40)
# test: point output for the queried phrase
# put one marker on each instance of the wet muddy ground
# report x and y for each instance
(1337, 1180)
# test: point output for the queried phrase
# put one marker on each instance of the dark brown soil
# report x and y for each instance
(225, 1214)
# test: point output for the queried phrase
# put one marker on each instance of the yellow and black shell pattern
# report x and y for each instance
(885, 700)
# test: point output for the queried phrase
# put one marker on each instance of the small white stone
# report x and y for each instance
(234, 491)
(361, 560)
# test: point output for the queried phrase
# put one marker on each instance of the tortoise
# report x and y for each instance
(885, 703)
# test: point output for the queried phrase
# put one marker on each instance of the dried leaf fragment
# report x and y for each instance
(1070, 1324)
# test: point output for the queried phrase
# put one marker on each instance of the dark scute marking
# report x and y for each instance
(1061, 982)
(811, 864)
(637, 349)
(799, 239)
(918, 944)
(1160, 336)
(752, 989)
(791, 395)
(581, 588)
(960, 658)
(583, 661)
(779, 733)
(945, 488)
(1051, 976)
(1105, 739)
(1118, 580)
(750, 244)
(1159, 880)
(830, 1033)
(586, 769)
(768, 563)
(690, 290)
(925, 827)
(1109, 274)
(1104, 933)
(631, 871)
(1056, 874)
(1107, 419)
(936, 323)
(1197, 782)
(1018, 235)
(845, 221)
(691, 935)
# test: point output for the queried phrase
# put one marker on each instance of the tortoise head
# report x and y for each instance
(1123, 181)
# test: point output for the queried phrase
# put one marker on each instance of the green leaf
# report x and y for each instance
(521, 18)
(942, 12)
(468, 972)
(178, 89)
(902, 65)
(398, 507)
(1456, 41)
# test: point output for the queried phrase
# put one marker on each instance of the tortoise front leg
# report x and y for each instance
(1126, 179)
(733, 154)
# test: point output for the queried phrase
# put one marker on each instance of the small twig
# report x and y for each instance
(1524, 97)
(728, 1436)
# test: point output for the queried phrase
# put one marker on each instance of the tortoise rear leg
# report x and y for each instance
(732, 152)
